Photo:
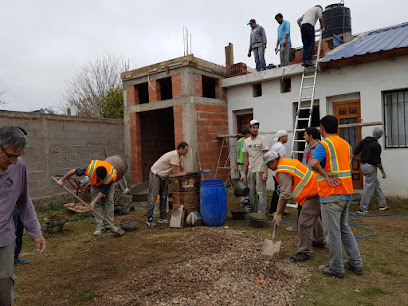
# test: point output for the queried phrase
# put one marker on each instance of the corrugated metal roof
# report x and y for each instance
(375, 41)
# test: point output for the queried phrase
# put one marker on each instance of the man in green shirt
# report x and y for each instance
(240, 160)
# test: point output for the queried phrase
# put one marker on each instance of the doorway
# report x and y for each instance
(350, 112)
(157, 136)
(243, 121)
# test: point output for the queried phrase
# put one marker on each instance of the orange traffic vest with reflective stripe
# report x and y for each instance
(91, 172)
(305, 182)
(338, 157)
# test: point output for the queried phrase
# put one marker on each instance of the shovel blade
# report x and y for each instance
(270, 247)
(118, 231)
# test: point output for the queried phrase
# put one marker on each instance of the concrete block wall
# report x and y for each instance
(57, 144)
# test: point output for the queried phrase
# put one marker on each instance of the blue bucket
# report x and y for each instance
(213, 202)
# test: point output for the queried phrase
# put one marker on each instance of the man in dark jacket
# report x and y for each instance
(371, 160)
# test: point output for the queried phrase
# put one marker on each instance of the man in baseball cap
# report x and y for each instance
(254, 148)
(298, 182)
(257, 43)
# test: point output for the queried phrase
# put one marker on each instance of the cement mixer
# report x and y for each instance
(118, 163)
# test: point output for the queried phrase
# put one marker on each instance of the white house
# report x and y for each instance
(364, 80)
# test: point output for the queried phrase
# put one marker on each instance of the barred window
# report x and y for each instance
(396, 119)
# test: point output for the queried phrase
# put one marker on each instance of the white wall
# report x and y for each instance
(275, 109)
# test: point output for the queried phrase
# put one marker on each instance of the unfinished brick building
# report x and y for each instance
(168, 102)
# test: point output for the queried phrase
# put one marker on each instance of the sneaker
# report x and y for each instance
(326, 270)
(21, 261)
(383, 208)
(300, 256)
(362, 211)
(292, 228)
(354, 269)
(164, 221)
(151, 223)
(98, 232)
(319, 244)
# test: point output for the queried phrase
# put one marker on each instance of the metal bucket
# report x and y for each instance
(117, 162)
(241, 189)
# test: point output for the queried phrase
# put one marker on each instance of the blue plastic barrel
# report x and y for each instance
(213, 202)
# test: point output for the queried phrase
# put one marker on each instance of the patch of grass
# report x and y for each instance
(374, 291)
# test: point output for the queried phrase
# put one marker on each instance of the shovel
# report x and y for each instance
(116, 230)
(270, 247)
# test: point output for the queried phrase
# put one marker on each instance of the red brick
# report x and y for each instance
(132, 95)
(154, 91)
(176, 78)
(176, 93)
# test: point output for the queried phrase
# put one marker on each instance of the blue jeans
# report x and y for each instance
(338, 233)
(308, 40)
(259, 54)
(19, 232)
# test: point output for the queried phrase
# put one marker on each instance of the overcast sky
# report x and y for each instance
(42, 42)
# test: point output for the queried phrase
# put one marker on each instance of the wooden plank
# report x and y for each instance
(341, 126)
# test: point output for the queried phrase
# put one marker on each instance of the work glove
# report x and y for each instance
(277, 218)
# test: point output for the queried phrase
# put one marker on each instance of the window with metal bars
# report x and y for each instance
(396, 119)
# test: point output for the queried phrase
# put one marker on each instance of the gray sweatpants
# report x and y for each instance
(257, 192)
(7, 277)
(284, 54)
(371, 187)
(339, 234)
(245, 199)
(105, 207)
(157, 186)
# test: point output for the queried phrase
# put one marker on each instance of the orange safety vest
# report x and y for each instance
(338, 155)
(91, 172)
(305, 180)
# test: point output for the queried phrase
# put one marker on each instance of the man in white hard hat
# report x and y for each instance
(254, 149)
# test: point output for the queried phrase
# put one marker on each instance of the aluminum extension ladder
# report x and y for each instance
(306, 98)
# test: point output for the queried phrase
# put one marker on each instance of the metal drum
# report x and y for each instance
(186, 191)
(117, 162)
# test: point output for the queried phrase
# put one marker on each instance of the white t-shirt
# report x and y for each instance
(279, 148)
(311, 16)
(255, 149)
(164, 165)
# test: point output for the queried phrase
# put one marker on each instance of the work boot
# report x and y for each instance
(354, 269)
(300, 256)
(326, 270)
(292, 228)
(164, 221)
(98, 232)
(21, 261)
(319, 244)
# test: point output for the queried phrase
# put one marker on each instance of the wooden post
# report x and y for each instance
(229, 58)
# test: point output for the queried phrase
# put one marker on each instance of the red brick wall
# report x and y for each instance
(136, 148)
(222, 91)
(154, 93)
(211, 121)
(132, 95)
(323, 49)
(198, 85)
(178, 124)
(176, 85)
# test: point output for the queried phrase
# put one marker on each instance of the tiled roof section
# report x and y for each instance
(374, 41)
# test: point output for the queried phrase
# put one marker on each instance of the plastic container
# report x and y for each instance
(213, 202)
(156, 211)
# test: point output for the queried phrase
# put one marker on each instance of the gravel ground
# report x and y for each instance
(214, 266)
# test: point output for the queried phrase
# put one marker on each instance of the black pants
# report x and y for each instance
(19, 233)
(308, 39)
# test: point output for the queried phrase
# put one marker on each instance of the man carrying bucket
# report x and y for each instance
(298, 182)
(171, 162)
(254, 148)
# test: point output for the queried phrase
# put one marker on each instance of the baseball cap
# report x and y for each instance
(251, 21)
(269, 156)
(253, 122)
(280, 134)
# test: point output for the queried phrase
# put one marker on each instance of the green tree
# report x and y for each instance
(112, 104)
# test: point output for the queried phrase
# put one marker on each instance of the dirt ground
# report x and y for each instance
(207, 266)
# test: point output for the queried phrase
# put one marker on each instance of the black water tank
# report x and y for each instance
(336, 20)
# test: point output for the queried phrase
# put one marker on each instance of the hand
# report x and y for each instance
(91, 206)
(39, 245)
(249, 53)
(243, 177)
(384, 175)
(277, 218)
(265, 177)
(60, 182)
(332, 179)
(264, 46)
(284, 44)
